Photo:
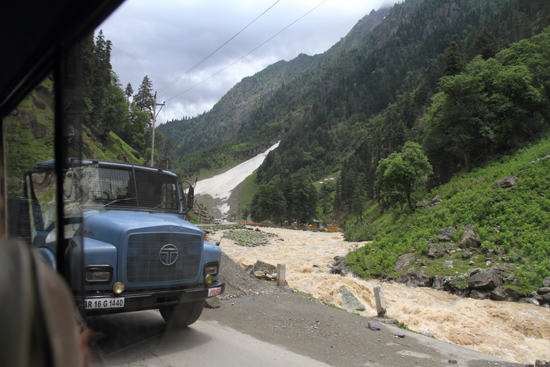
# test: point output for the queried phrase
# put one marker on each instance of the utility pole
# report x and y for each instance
(154, 121)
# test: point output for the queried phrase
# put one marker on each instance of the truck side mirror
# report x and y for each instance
(190, 197)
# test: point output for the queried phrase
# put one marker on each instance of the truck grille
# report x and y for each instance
(144, 262)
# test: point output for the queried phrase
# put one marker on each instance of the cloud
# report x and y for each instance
(164, 39)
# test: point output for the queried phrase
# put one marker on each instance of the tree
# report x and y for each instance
(305, 198)
(402, 171)
(454, 61)
(144, 97)
(484, 44)
(128, 93)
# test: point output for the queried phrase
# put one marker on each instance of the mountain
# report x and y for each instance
(259, 109)
(368, 95)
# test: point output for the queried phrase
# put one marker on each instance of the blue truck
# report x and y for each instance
(126, 238)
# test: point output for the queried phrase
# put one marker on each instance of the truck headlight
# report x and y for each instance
(99, 274)
(211, 268)
(118, 288)
(209, 279)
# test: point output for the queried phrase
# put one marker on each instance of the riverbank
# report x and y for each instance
(515, 332)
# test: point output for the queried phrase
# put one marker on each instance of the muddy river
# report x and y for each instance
(517, 332)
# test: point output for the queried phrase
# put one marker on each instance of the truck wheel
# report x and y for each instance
(182, 315)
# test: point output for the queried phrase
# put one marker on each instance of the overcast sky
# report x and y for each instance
(163, 39)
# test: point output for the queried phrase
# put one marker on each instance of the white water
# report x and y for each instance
(517, 332)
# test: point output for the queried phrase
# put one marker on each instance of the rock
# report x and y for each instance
(469, 238)
(445, 233)
(349, 302)
(477, 294)
(530, 301)
(387, 320)
(545, 297)
(424, 203)
(471, 263)
(411, 279)
(439, 282)
(546, 282)
(339, 266)
(373, 325)
(213, 302)
(499, 294)
(542, 363)
(543, 290)
(466, 255)
(403, 261)
(447, 265)
(513, 296)
(436, 251)
(484, 280)
(505, 182)
(264, 268)
(399, 334)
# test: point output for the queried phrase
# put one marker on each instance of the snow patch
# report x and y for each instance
(221, 186)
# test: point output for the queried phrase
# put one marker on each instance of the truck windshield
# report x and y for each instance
(122, 187)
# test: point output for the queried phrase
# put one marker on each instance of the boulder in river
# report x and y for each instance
(412, 279)
(349, 302)
(339, 266)
(499, 294)
(486, 279)
(264, 268)
(530, 301)
(480, 294)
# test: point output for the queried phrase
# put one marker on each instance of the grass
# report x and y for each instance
(514, 219)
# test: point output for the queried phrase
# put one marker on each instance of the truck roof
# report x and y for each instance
(49, 165)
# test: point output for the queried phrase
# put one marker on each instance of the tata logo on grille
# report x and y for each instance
(168, 254)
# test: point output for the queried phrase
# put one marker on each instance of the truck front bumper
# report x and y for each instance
(145, 299)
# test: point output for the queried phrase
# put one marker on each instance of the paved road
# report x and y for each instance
(141, 339)
(275, 329)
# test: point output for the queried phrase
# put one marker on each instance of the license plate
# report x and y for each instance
(100, 303)
(214, 291)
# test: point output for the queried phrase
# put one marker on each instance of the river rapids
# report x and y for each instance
(517, 332)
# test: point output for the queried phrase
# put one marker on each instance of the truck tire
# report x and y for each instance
(182, 315)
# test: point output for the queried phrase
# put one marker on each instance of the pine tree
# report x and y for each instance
(128, 93)
(484, 44)
(144, 97)
(454, 61)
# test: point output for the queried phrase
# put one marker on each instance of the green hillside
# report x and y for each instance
(29, 138)
(512, 222)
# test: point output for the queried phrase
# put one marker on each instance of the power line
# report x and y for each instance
(236, 61)
(212, 53)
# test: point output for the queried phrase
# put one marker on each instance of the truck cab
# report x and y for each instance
(127, 239)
